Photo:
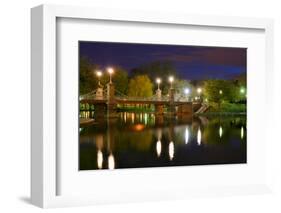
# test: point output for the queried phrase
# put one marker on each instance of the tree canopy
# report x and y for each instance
(220, 90)
(180, 85)
(157, 69)
(140, 86)
(87, 80)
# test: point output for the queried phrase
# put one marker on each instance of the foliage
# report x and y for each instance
(157, 69)
(229, 91)
(140, 86)
(241, 82)
(87, 80)
(180, 85)
(228, 107)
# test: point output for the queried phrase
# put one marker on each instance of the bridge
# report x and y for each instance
(105, 101)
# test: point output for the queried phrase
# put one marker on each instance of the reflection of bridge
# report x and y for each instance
(105, 101)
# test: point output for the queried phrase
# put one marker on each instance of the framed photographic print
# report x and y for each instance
(161, 105)
(149, 106)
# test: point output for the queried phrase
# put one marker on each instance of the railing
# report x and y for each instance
(120, 96)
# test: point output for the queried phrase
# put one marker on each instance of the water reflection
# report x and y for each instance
(145, 118)
(199, 137)
(111, 162)
(171, 150)
(158, 148)
(158, 144)
(186, 135)
(220, 131)
(133, 118)
(144, 140)
(99, 159)
(125, 117)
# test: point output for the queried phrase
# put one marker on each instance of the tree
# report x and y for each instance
(181, 85)
(140, 86)
(241, 82)
(87, 80)
(220, 90)
(157, 69)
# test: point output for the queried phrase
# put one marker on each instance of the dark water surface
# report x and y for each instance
(137, 140)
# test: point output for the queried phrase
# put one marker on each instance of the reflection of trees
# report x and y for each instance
(222, 129)
(141, 141)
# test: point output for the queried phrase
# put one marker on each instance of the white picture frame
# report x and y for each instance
(44, 104)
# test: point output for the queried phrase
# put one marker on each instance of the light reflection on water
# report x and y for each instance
(132, 139)
(158, 148)
(100, 159)
(186, 135)
(220, 131)
(171, 150)
(111, 162)
(199, 135)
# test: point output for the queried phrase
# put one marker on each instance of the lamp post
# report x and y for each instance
(99, 74)
(99, 91)
(158, 91)
(158, 81)
(110, 70)
(171, 80)
(199, 90)
(220, 92)
(186, 92)
(171, 97)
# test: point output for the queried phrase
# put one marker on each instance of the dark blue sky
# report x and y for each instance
(191, 62)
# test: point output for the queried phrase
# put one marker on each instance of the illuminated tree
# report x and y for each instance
(221, 90)
(140, 86)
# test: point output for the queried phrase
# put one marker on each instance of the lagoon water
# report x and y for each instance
(138, 140)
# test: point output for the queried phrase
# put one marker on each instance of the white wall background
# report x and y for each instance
(15, 104)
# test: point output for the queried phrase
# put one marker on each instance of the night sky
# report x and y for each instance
(191, 62)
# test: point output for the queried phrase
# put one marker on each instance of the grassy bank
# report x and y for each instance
(228, 108)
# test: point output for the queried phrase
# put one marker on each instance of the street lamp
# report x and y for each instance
(242, 90)
(99, 74)
(110, 70)
(220, 92)
(171, 80)
(199, 90)
(186, 91)
(158, 81)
